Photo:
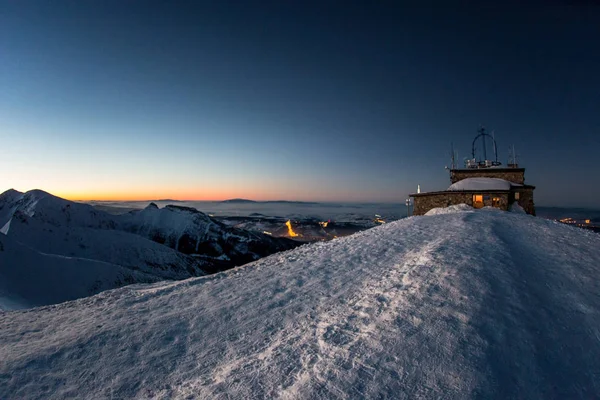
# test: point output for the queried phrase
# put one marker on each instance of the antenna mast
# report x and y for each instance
(482, 131)
(495, 148)
(512, 156)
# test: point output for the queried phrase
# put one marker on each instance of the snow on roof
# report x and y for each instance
(456, 306)
(482, 184)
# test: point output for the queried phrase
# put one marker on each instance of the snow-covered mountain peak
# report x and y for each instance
(167, 219)
(10, 195)
(38, 194)
(183, 209)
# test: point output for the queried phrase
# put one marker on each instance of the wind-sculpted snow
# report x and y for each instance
(477, 304)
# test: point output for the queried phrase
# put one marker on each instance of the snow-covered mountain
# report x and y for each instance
(189, 231)
(169, 243)
(468, 304)
(29, 278)
(52, 210)
(108, 245)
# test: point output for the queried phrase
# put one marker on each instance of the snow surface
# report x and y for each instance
(482, 184)
(516, 208)
(450, 209)
(29, 278)
(112, 246)
(483, 304)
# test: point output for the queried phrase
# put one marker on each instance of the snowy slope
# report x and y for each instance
(29, 278)
(483, 304)
(112, 246)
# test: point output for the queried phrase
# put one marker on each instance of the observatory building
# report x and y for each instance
(481, 183)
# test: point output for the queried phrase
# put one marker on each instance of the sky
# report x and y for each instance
(294, 100)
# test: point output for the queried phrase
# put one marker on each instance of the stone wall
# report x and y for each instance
(426, 202)
(526, 200)
(516, 175)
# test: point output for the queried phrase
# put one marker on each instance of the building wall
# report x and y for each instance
(516, 176)
(525, 200)
(426, 202)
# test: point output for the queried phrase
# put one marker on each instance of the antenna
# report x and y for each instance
(482, 130)
(512, 156)
(495, 148)
(485, 162)
(452, 154)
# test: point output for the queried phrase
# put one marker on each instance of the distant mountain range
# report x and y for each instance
(139, 246)
(239, 201)
(243, 201)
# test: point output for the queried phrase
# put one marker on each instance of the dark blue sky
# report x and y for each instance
(354, 101)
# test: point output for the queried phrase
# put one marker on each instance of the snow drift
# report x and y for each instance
(482, 303)
(450, 209)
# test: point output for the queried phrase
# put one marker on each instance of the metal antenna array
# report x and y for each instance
(474, 163)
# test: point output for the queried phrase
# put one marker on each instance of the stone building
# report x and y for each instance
(481, 184)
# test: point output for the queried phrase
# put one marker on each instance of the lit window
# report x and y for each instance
(517, 195)
(496, 202)
(477, 200)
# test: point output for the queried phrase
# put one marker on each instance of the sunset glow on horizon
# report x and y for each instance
(91, 192)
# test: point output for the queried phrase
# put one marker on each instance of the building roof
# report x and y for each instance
(493, 168)
(482, 184)
(423, 194)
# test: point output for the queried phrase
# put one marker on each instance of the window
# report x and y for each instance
(517, 195)
(496, 202)
(477, 200)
